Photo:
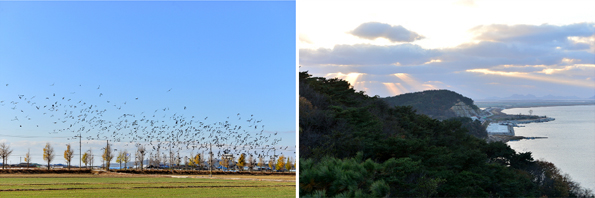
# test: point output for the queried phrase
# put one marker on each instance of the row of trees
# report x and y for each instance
(282, 162)
(125, 157)
(48, 154)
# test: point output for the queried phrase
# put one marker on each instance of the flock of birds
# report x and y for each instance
(159, 131)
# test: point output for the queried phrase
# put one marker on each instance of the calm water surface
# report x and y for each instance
(571, 140)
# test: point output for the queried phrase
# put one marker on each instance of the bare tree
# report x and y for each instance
(90, 158)
(185, 162)
(48, 154)
(260, 162)
(136, 161)
(126, 158)
(150, 159)
(157, 159)
(178, 160)
(140, 155)
(164, 159)
(250, 163)
(171, 160)
(5, 151)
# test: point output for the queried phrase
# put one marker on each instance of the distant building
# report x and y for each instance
(500, 129)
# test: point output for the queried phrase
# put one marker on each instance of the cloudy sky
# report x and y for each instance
(480, 49)
(210, 62)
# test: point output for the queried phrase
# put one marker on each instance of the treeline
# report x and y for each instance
(434, 103)
(226, 161)
(355, 145)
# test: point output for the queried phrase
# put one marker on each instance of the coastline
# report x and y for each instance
(498, 116)
(511, 104)
(508, 138)
(568, 137)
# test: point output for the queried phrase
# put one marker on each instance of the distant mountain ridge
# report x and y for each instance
(533, 97)
(438, 104)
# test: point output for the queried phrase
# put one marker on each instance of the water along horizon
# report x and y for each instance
(571, 140)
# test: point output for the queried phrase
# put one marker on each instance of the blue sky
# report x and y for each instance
(202, 59)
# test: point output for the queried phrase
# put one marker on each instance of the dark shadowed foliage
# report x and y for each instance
(353, 145)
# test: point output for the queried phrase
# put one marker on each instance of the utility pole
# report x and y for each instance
(210, 160)
(80, 150)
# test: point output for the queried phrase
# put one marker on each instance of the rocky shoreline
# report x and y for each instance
(499, 117)
(506, 138)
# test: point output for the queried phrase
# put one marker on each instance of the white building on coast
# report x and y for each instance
(500, 129)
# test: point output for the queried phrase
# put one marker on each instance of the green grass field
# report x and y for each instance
(88, 185)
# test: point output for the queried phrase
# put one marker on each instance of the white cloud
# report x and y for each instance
(573, 37)
(394, 33)
(497, 60)
(365, 54)
(304, 38)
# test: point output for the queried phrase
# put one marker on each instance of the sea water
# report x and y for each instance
(570, 142)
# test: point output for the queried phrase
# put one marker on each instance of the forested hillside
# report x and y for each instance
(434, 103)
(355, 145)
